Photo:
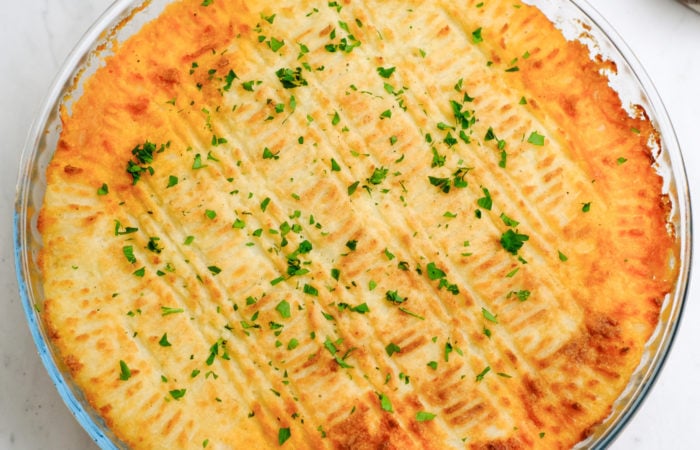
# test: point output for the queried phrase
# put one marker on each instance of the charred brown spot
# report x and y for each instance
(72, 170)
(139, 107)
(74, 365)
(168, 77)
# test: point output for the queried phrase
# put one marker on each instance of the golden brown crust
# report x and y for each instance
(317, 235)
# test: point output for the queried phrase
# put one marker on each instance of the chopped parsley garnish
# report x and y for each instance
(562, 257)
(103, 190)
(586, 207)
(385, 403)
(485, 202)
(378, 175)
(144, 157)
(153, 245)
(536, 139)
(164, 341)
(512, 241)
(476, 36)
(128, 251)
(177, 394)
(441, 183)
(353, 187)
(166, 310)
(335, 167)
(385, 72)
(118, 231)
(394, 297)
(284, 309)
(345, 44)
(275, 44)
(483, 373)
(508, 221)
(283, 435)
(230, 76)
(310, 290)
(424, 416)
(214, 270)
(268, 154)
(291, 78)
(489, 316)
(522, 295)
(124, 371)
(197, 163)
(435, 273)
(392, 348)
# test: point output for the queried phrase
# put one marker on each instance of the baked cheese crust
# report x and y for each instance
(353, 224)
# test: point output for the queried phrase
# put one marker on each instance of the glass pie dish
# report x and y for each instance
(575, 18)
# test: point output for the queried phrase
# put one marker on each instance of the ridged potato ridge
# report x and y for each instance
(352, 224)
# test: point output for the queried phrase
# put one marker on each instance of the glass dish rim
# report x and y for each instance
(120, 9)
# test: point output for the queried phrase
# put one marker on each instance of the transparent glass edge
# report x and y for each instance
(678, 190)
(86, 45)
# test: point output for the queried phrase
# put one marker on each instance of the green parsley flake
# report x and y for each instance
(536, 139)
(485, 202)
(385, 72)
(128, 251)
(522, 295)
(166, 310)
(483, 373)
(177, 394)
(394, 297)
(197, 164)
(124, 371)
(513, 241)
(392, 348)
(385, 403)
(424, 416)
(291, 79)
(283, 435)
(284, 309)
(378, 176)
(489, 316)
(508, 221)
(164, 341)
(435, 273)
(476, 36)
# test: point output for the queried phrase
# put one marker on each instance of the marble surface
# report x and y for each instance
(35, 38)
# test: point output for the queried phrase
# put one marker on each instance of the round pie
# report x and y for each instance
(353, 224)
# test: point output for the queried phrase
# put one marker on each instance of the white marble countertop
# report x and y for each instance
(36, 36)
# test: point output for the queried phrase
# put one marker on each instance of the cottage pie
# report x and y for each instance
(353, 224)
